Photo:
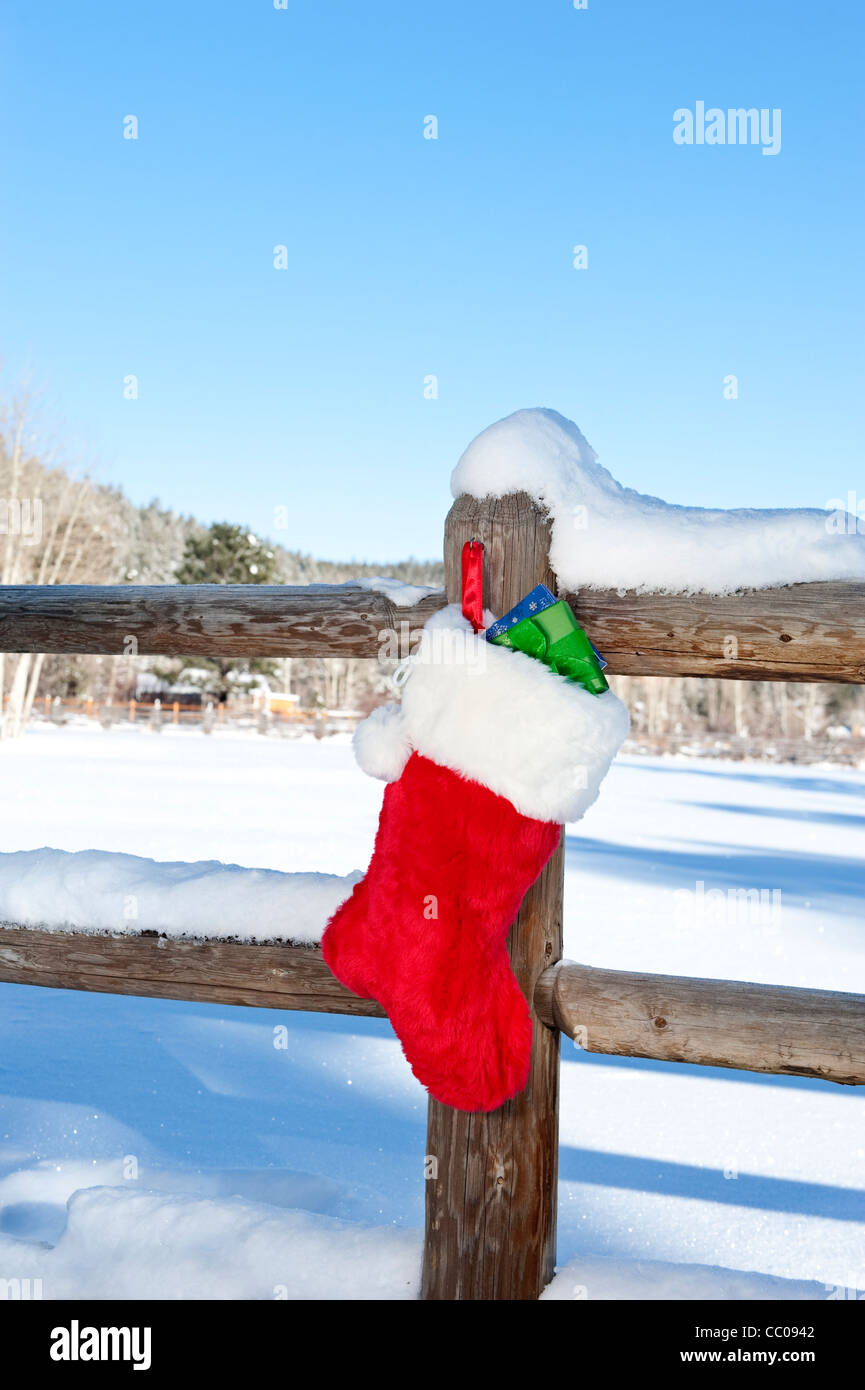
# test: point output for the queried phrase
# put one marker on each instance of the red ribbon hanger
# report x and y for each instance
(473, 583)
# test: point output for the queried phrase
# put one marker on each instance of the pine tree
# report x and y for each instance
(229, 554)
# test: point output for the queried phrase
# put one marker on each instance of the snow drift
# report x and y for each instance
(158, 1246)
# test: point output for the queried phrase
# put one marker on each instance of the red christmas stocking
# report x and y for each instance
(425, 931)
(490, 752)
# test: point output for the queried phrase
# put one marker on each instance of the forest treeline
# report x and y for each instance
(62, 527)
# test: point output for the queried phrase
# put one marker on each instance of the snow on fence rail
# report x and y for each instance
(492, 1187)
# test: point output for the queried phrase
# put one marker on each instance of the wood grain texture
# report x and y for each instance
(805, 632)
(714, 1023)
(204, 619)
(212, 972)
(491, 1208)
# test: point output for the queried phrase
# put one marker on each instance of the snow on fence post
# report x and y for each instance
(492, 1178)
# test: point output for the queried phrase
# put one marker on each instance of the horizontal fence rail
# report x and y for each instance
(719, 1023)
(715, 1023)
(270, 976)
(228, 620)
(804, 632)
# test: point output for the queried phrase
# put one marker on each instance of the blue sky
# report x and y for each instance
(263, 388)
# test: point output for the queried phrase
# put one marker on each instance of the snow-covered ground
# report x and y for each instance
(204, 1154)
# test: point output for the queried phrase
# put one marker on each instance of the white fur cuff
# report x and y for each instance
(381, 744)
(499, 718)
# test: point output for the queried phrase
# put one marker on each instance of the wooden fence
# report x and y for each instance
(206, 713)
(491, 1195)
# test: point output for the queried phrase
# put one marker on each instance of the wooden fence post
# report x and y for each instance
(491, 1196)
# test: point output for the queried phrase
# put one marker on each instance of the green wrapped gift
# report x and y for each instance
(544, 627)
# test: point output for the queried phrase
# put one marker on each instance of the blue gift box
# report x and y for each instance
(535, 602)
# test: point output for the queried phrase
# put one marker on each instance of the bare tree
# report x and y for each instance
(68, 538)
